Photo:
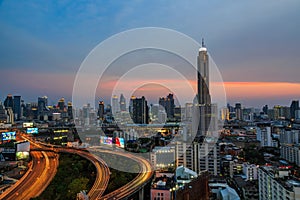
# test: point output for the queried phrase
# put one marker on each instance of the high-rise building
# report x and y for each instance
(10, 114)
(263, 134)
(122, 103)
(203, 104)
(203, 76)
(115, 105)
(293, 108)
(265, 109)
(140, 111)
(204, 156)
(168, 104)
(250, 171)
(61, 104)
(238, 111)
(101, 110)
(275, 183)
(9, 102)
(70, 110)
(17, 107)
(3, 114)
(43, 107)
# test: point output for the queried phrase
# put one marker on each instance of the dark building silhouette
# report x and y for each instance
(265, 109)
(101, 110)
(9, 102)
(140, 110)
(70, 111)
(238, 111)
(122, 103)
(17, 107)
(203, 103)
(61, 104)
(168, 104)
(3, 114)
(293, 108)
(43, 107)
(197, 189)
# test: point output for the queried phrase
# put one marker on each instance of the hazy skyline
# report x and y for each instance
(254, 43)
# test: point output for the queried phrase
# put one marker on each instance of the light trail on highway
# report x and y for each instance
(145, 174)
(44, 165)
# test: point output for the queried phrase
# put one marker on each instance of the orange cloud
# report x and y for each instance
(262, 89)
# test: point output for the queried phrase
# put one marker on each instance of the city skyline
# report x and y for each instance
(44, 45)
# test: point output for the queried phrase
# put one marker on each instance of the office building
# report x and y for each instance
(122, 103)
(3, 114)
(263, 134)
(250, 171)
(163, 157)
(70, 110)
(203, 103)
(61, 104)
(291, 153)
(275, 183)
(43, 109)
(168, 104)
(238, 111)
(139, 113)
(17, 107)
(199, 156)
(115, 105)
(101, 110)
(9, 102)
(294, 108)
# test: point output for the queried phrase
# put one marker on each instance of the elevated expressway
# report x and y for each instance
(39, 175)
(137, 184)
(44, 166)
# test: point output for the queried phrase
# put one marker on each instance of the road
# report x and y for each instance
(37, 178)
(145, 174)
(103, 173)
(45, 163)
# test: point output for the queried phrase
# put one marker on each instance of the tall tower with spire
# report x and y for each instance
(203, 96)
(203, 75)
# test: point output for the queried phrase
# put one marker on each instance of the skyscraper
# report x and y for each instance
(238, 111)
(101, 110)
(122, 103)
(70, 110)
(115, 105)
(203, 76)
(17, 107)
(61, 104)
(43, 106)
(8, 102)
(3, 114)
(293, 108)
(168, 104)
(140, 111)
(203, 106)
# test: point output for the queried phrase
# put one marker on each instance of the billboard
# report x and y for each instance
(32, 130)
(23, 147)
(106, 140)
(27, 124)
(22, 155)
(120, 142)
(8, 136)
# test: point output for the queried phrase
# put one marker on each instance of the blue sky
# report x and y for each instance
(42, 43)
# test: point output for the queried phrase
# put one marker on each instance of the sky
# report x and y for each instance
(255, 44)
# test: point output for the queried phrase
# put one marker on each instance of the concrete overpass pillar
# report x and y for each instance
(141, 194)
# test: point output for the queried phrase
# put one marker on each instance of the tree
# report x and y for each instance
(76, 186)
